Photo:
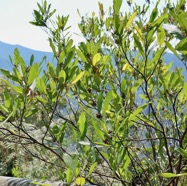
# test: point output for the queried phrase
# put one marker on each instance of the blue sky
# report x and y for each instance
(16, 14)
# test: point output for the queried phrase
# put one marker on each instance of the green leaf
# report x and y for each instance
(18, 59)
(42, 100)
(180, 18)
(92, 168)
(130, 20)
(62, 77)
(158, 21)
(30, 112)
(96, 59)
(98, 130)
(106, 104)
(17, 89)
(69, 176)
(185, 90)
(80, 181)
(12, 113)
(52, 45)
(140, 33)
(31, 60)
(137, 111)
(172, 49)
(171, 175)
(33, 73)
(62, 56)
(7, 74)
(99, 101)
(3, 108)
(81, 55)
(117, 5)
(138, 44)
(182, 46)
(168, 175)
(82, 125)
(41, 85)
(69, 57)
(51, 13)
(51, 70)
(71, 161)
(160, 36)
(182, 152)
(127, 162)
(78, 77)
(153, 15)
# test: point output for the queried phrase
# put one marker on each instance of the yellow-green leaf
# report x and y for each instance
(69, 176)
(96, 59)
(92, 168)
(127, 67)
(139, 32)
(130, 20)
(78, 77)
(80, 181)
(185, 90)
(171, 175)
(160, 36)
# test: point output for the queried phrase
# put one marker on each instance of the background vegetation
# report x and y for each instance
(109, 111)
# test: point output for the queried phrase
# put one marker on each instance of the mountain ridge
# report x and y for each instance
(7, 50)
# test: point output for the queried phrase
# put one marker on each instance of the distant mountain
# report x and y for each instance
(7, 50)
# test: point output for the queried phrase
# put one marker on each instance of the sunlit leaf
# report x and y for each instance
(69, 176)
(171, 175)
(130, 20)
(160, 36)
(80, 181)
(127, 67)
(78, 77)
(96, 59)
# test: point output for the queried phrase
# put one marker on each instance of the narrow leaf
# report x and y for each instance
(78, 77)
(130, 20)
(117, 5)
(171, 175)
(82, 125)
(137, 111)
(172, 49)
(92, 168)
(33, 73)
(182, 46)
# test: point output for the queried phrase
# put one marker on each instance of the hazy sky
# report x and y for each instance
(16, 14)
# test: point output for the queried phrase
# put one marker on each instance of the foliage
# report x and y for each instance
(111, 111)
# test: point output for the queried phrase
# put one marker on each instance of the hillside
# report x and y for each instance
(8, 49)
